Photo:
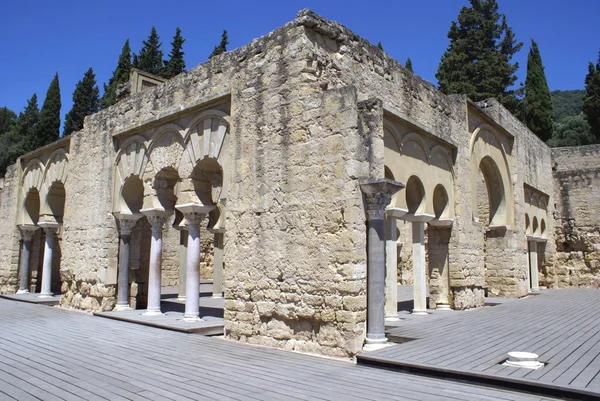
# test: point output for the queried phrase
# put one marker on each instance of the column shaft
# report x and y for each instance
(533, 266)
(375, 280)
(154, 275)
(46, 290)
(391, 263)
(218, 266)
(123, 276)
(192, 280)
(25, 257)
(183, 245)
(419, 274)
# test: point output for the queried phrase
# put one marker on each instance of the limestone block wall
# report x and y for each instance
(577, 218)
(9, 234)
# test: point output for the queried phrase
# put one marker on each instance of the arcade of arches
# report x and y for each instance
(306, 175)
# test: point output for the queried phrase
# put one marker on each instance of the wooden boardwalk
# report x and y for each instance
(561, 326)
(54, 354)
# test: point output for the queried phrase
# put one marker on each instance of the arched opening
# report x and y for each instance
(56, 200)
(490, 194)
(535, 226)
(543, 228)
(32, 207)
(164, 185)
(207, 179)
(440, 201)
(132, 195)
(415, 195)
(527, 224)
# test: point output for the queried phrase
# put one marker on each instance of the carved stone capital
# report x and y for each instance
(193, 220)
(27, 231)
(49, 228)
(378, 195)
(157, 218)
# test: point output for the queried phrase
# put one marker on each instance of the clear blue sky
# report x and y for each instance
(39, 38)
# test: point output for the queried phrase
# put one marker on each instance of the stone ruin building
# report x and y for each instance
(307, 173)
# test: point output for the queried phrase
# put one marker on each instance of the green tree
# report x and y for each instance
(150, 57)
(222, 46)
(571, 131)
(49, 121)
(591, 101)
(408, 65)
(537, 109)
(380, 45)
(8, 118)
(120, 76)
(478, 60)
(85, 102)
(567, 103)
(8, 122)
(176, 64)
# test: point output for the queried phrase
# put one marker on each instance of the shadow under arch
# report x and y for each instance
(415, 195)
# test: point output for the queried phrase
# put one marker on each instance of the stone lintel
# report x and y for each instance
(395, 212)
(383, 186)
(442, 222)
(197, 208)
(49, 227)
(535, 238)
(127, 216)
(419, 217)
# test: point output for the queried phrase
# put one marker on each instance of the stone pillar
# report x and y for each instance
(157, 219)
(126, 224)
(391, 262)
(183, 250)
(378, 194)
(218, 263)
(50, 229)
(194, 215)
(27, 233)
(419, 265)
(533, 267)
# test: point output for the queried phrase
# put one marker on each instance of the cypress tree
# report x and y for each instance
(591, 100)
(380, 45)
(49, 121)
(537, 111)
(8, 118)
(222, 46)
(477, 61)
(176, 64)
(150, 57)
(120, 76)
(85, 102)
(8, 121)
(408, 65)
(27, 128)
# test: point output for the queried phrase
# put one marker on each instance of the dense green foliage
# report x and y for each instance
(150, 57)
(49, 121)
(176, 64)
(20, 135)
(567, 103)
(120, 76)
(536, 109)
(379, 45)
(571, 131)
(8, 123)
(591, 101)
(408, 65)
(478, 60)
(86, 101)
(221, 47)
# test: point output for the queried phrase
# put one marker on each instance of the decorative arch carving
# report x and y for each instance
(131, 159)
(167, 147)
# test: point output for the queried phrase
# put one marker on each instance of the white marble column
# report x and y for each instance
(378, 194)
(183, 250)
(391, 262)
(533, 267)
(27, 234)
(194, 215)
(219, 236)
(157, 219)
(126, 224)
(50, 228)
(419, 265)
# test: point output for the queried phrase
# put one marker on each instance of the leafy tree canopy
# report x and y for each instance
(537, 110)
(567, 103)
(119, 77)
(571, 131)
(478, 59)
(49, 121)
(222, 46)
(85, 102)
(150, 57)
(591, 101)
(176, 64)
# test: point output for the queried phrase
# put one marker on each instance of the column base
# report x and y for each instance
(120, 308)
(152, 313)
(374, 345)
(392, 318)
(534, 291)
(19, 292)
(193, 318)
(419, 312)
(217, 296)
(181, 298)
(46, 295)
(443, 307)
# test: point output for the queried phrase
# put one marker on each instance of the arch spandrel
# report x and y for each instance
(33, 176)
(132, 159)
(167, 147)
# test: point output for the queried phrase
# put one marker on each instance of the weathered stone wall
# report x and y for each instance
(9, 233)
(577, 218)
